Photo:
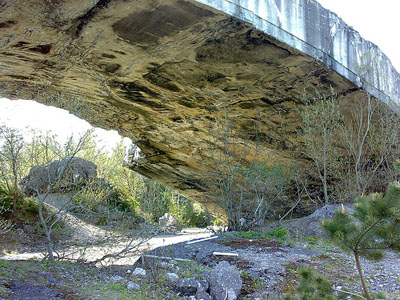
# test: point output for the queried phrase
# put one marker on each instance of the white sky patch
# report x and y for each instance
(27, 115)
(376, 21)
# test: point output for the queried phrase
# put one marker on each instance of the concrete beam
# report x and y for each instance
(308, 27)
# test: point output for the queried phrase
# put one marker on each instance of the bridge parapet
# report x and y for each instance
(308, 27)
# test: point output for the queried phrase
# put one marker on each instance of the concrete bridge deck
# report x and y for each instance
(306, 26)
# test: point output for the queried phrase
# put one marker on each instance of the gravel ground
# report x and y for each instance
(273, 266)
(268, 267)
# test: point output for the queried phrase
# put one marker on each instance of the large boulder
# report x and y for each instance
(60, 174)
(311, 225)
(224, 282)
(169, 221)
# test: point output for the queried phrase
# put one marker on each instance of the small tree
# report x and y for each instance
(352, 144)
(312, 286)
(56, 176)
(246, 181)
(321, 118)
(368, 137)
(11, 164)
(372, 228)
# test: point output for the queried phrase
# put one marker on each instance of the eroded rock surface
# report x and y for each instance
(162, 73)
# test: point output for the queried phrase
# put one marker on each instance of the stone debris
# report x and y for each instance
(169, 221)
(139, 272)
(224, 281)
(201, 293)
(172, 277)
(117, 278)
(133, 286)
(187, 286)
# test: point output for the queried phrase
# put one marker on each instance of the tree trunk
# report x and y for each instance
(49, 243)
(359, 269)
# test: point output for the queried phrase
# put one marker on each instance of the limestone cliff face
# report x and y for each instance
(162, 73)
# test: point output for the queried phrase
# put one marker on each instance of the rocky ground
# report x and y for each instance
(270, 268)
(268, 265)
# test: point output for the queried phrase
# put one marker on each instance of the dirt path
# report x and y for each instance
(89, 242)
(81, 230)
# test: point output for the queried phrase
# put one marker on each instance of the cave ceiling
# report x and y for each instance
(163, 73)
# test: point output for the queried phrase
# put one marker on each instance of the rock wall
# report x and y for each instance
(165, 73)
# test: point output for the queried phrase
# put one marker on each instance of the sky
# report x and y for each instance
(26, 115)
(376, 21)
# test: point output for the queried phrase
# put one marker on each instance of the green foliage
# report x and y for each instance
(188, 213)
(158, 199)
(11, 165)
(280, 234)
(118, 189)
(31, 205)
(249, 235)
(312, 286)
(321, 119)
(372, 228)
(7, 200)
(311, 240)
(155, 200)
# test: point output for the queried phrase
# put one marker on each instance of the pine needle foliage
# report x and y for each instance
(312, 286)
(372, 228)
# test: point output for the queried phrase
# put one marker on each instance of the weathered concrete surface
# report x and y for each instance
(306, 26)
(163, 73)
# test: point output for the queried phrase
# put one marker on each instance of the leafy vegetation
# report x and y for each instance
(280, 234)
(312, 286)
(353, 146)
(117, 189)
(372, 228)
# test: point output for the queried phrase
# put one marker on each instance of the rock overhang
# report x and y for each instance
(163, 72)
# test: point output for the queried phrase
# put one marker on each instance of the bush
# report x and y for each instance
(159, 199)
(280, 234)
(189, 214)
(372, 228)
(312, 286)
(6, 201)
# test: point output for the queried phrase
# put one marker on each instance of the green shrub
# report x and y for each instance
(312, 286)
(280, 234)
(372, 228)
(6, 200)
(249, 235)
(188, 214)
